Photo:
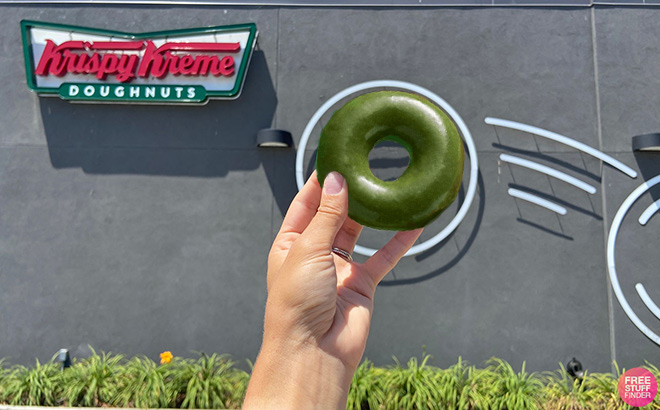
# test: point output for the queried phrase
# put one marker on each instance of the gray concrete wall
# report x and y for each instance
(139, 229)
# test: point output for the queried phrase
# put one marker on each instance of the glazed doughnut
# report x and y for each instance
(433, 177)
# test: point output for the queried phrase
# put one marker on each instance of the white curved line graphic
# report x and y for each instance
(649, 212)
(467, 137)
(563, 140)
(537, 201)
(611, 262)
(650, 305)
(548, 171)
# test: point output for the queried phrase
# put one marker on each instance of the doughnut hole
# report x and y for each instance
(388, 160)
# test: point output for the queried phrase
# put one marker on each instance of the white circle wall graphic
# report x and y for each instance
(467, 137)
(611, 262)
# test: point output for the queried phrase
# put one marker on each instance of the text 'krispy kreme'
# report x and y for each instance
(88, 65)
(127, 60)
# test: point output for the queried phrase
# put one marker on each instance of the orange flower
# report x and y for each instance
(166, 357)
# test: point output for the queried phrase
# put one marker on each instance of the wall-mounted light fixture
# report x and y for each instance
(646, 142)
(270, 137)
(574, 369)
(64, 358)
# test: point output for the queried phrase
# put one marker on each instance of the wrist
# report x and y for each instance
(297, 377)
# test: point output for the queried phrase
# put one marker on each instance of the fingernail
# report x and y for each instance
(333, 184)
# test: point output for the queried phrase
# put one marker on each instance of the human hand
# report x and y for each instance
(319, 305)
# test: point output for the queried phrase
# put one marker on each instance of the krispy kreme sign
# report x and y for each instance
(182, 66)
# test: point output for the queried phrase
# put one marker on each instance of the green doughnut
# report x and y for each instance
(429, 184)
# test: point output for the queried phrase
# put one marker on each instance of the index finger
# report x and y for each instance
(303, 207)
(297, 218)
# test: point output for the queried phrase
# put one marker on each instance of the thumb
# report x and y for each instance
(331, 214)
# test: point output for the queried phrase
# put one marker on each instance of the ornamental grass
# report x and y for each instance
(213, 382)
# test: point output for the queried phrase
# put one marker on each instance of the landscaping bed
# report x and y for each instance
(213, 382)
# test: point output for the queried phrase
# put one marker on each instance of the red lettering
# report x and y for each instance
(152, 62)
(215, 66)
(117, 45)
(80, 66)
(201, 66)
(126, 68)
(227, 66)
(185, 64)
(173, 61)
(93, 64)
(109, 65)
(51, 61)
(71, 60)
(156, 62)
(223, 67)
(217, 47)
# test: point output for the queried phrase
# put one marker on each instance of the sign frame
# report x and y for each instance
(234, 93)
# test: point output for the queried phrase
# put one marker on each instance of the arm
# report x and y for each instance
(319, 305)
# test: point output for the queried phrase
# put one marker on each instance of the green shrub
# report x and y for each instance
(605, 387)
(212, 382)
(92, 382)
(562, 392)
(366, 392)
(656, 373)
(463, 387)
(412, 388)
(513, 391)
(142, 384)
(37, 386)
(655, 405)
(209, 382)
(3, 372)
